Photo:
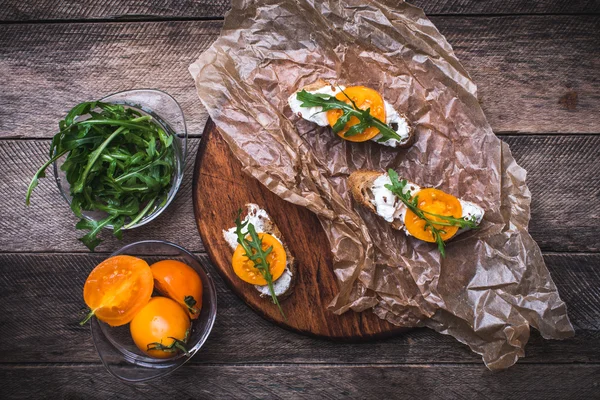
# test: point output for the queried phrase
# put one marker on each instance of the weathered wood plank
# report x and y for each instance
(562, 176)
(535, 74)
(48, 224)
(563, 173)
(547, 382)
(41, 303)
(51, 68)
(29, 10)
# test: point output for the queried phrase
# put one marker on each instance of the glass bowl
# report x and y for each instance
(116, 348)
(165, 110)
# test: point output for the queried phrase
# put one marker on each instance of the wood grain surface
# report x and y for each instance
(536, 64)
(536, 74)
(307, 381)
(41, 304)
(220, 188)
(562, 173)
(31, 10)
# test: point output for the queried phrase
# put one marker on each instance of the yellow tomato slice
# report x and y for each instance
(364, 98)
(118, 288)
(244, 268)
(437, 202)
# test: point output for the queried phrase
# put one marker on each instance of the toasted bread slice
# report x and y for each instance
(316, 85)
(361, 186)
(262, 222)
(360, 183)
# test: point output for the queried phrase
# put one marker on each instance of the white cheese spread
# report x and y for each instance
(313, 114)
(397, 123)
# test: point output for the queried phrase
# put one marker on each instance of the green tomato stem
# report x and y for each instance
(88, 317)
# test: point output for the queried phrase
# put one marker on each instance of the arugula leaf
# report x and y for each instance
(90, 239)
(117, 161)
(340, 124)
(79, 110)
(366, 120)
(41, 173)
(78, 187)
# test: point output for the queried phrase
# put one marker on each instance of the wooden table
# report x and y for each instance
(537, 65)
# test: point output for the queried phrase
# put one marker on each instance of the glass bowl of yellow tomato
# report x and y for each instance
(153, 305)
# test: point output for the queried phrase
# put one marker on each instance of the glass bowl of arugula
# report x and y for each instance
(118, 161)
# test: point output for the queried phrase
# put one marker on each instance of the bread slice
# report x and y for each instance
(316, 85)
(262, 222)
(361, 186)
(360, 183)
(320, 83)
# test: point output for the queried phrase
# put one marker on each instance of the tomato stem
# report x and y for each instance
(181, 346)
(88, 317)
(190, 302)
(173, 347)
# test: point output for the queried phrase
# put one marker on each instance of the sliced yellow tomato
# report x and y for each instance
(364, 98)
(244, 267)
(117, 289)
(437, 202)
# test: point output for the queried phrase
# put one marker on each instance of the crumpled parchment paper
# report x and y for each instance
(493, 285)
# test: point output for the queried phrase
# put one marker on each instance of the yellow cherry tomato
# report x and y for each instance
(179, 282)
(161, 328)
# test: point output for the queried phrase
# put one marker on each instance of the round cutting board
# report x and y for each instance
(220, 189)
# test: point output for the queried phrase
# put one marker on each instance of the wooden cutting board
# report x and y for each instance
(220, 189)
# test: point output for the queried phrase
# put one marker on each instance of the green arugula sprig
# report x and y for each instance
(118, 161)
(254, 251)
(398, 188)
(366, 120)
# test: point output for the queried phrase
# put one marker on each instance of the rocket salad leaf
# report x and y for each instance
(117, 161)
(366, 120)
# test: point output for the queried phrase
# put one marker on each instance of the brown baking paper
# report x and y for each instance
(493, 285)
